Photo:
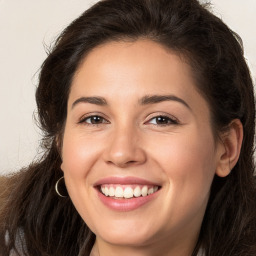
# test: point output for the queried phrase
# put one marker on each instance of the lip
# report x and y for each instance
(124, 181)
(124, 205)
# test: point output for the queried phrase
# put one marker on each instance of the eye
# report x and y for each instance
(93, 120)
(163, 120)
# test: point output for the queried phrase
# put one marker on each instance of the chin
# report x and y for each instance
(127, 233)
(131, 238)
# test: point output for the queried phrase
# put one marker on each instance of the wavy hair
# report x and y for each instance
(32, 214)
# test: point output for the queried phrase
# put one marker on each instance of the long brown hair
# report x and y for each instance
(32, 213)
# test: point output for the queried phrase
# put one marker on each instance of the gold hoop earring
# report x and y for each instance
(57, 189)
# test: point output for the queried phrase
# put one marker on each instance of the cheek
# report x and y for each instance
(78, 154)
(187, 161)
(189, 166)
(79, 157)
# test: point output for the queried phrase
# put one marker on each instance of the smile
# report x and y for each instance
(127, 191)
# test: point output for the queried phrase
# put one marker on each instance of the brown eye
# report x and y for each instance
(162, 120)
(94, 120)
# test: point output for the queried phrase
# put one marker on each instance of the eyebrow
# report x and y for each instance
(146, 100)
(153, 99)
(93, 100)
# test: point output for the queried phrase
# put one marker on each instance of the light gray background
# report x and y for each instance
(25, 26)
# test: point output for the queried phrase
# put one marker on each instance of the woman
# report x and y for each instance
(148, 112)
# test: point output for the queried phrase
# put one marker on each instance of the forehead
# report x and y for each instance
(141, 62)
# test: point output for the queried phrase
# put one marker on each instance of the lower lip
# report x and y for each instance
(124, 205)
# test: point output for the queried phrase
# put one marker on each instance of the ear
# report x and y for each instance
(229, 148)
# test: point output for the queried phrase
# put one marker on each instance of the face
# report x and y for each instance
(138, 150)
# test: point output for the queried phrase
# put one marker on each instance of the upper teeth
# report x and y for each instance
(127, 191)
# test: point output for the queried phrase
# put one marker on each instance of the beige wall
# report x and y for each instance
(24, 26)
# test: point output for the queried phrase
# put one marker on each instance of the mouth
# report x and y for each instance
(126, 193)
(119, 191)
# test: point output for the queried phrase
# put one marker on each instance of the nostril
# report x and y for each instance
(122, 164)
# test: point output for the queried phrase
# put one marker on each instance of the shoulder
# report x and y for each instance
(20, 245)
(200, 252)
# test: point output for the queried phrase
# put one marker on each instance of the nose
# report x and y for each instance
(124, 148)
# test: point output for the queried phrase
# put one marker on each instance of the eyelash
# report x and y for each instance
(83, 120)
(168, 119)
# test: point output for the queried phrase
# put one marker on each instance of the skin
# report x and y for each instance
(181, 154)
